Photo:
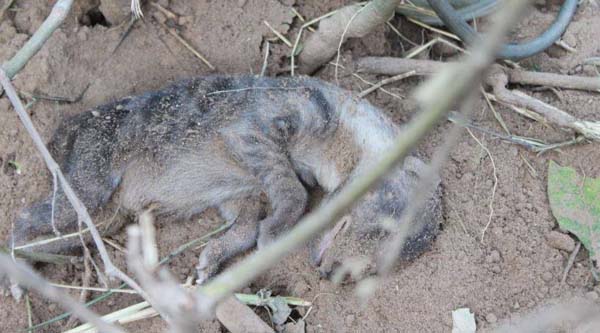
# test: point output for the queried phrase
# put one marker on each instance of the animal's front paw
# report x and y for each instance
(264, 239)
(205, 268)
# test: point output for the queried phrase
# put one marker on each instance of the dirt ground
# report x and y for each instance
(511, 272)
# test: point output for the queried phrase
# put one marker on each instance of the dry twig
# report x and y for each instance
(384, 82)
(26, 277)
(395, 66)
(187, 45)
(498, 78)
(82, 212)
(35, 43)
(142, 257)
(347, 22)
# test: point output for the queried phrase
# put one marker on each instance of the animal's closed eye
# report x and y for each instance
(284, 126)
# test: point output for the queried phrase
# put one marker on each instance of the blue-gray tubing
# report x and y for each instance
(467, 10)
(458, 26)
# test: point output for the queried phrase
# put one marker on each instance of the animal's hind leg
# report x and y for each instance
(244, 215)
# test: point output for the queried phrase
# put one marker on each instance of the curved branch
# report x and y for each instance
(34, 44)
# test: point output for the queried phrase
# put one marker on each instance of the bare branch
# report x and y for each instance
(498, 78)
(348, 22)
(26, 277)
(396, 66)
(35, 43)
(498, 81)
(82, 213)
(173, 302)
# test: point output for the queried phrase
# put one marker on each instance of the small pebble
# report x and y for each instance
(560, 241)
(547, 276)
(491, 318)
(517, 306)
(185, 20)
(300, 288)
(159, 17)
(496, 269)
(493, 257)
(350, 320)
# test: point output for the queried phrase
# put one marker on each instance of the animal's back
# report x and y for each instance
(165, 148)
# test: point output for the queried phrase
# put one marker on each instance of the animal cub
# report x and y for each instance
(249, 146)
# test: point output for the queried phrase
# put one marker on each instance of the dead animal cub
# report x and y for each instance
(249, 146)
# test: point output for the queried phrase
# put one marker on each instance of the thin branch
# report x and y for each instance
(449, 86)
(395, 66)
(570, 263)
(25, 276)
(498, 81)
(82, 213)
(187, 45)
(5, 7)
(498, 78)
(34, 44)
(142, 257)
(386, 81)
(50, 258)
(351, 21)
(491, 203)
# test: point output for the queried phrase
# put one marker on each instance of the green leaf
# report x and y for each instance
(575, 203)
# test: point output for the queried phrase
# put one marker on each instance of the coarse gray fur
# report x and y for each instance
(249, 146)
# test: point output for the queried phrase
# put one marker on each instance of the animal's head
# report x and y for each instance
(355, 243)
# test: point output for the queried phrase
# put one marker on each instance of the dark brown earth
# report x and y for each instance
(510, 273)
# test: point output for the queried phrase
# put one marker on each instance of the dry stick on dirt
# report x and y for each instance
(170, 298)
(263, 69)
(187, 45)
(347, 22)
(35, 43)
(25, 276)
(435, 97)
(85, 284)
(386, 81)
(5, 7)
(570, 262)
(82, 213)
(394, 66)
(49, 258)
(498, 81)
(172, 301)
(493, 194)
(498, 78)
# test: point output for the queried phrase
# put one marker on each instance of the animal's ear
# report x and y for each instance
(285, 126)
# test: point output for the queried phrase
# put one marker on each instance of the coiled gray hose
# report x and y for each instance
(468, 10)
(456, 23)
